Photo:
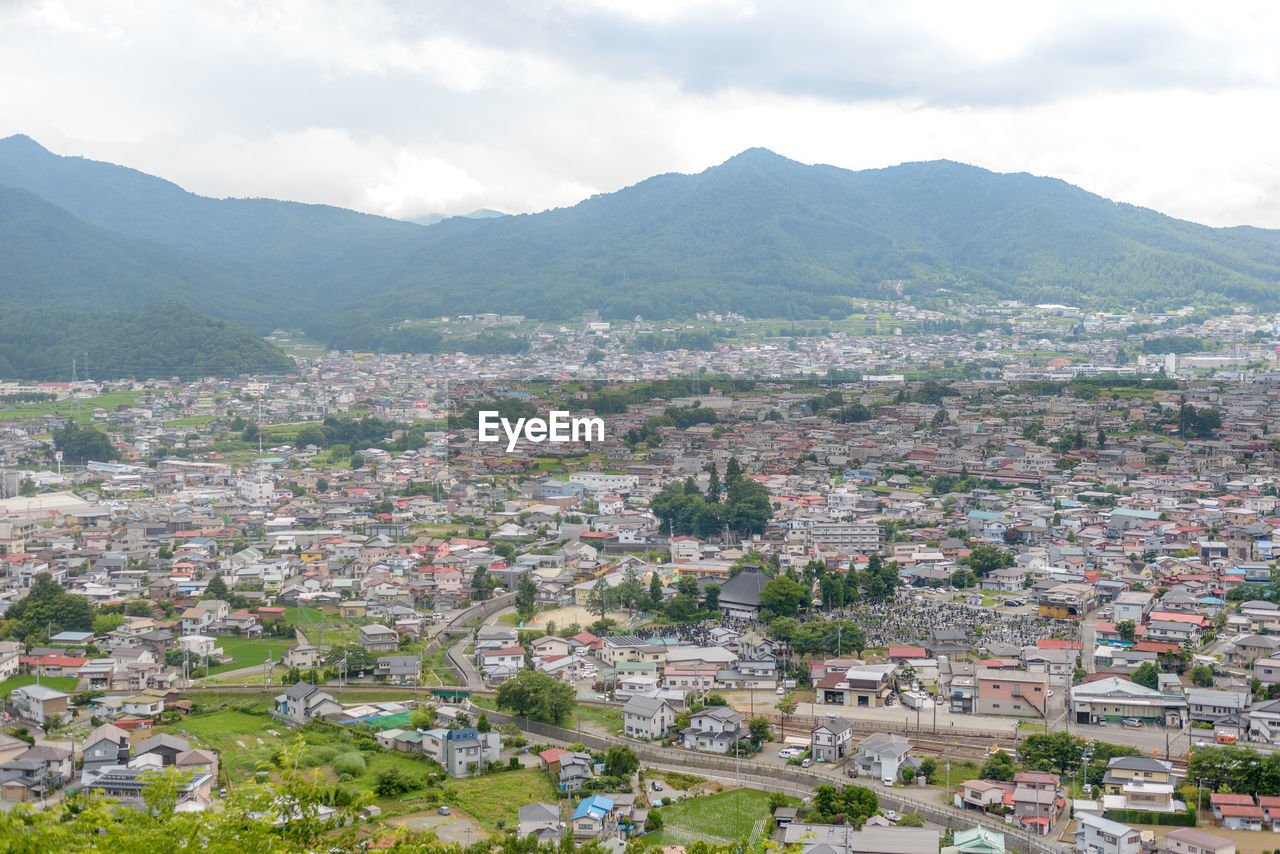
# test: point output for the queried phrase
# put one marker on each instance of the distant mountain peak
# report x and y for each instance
(20, 141)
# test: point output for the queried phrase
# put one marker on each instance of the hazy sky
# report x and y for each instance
(409, 107)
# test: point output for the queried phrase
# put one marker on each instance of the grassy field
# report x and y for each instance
(60, 683)
(728, 816)
(610, 719)
(498, 797)
(248, 652)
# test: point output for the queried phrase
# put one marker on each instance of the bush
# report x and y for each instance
(314, 757)
(349, 766)
(1180, 819)
(390, 782)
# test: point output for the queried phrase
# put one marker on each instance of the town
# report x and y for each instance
(985, 579)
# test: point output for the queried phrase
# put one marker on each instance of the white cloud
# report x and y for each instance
(407, 109)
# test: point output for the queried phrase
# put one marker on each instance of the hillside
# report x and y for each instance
(758, 234)
(163, 340)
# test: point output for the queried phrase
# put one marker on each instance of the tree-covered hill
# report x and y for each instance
(162, 340)
(758, 234)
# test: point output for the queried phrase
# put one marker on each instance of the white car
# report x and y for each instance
(789, 752)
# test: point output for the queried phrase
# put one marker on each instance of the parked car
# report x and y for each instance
(806, 762)
(1132, 722)
(892, 816)
(657, 785)
(443, 810)
(781, 692)
(789, 752)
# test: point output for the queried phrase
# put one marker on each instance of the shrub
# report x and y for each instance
(349, 766)
(390, 782)
(314, 757)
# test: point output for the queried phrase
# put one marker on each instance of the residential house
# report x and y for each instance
(1190, 840)
(38, 703)
(1098, 835)
(593, 818)
(647, 717)
(304, 702)
(864, 686)
(575, 770)
(399, 668)
(1207, 704)
(1236, 812)
(881, 756)
(462, 752)
(1004, 692)
(542, 821)
(378, 638)
(1141, 783)
(714, 729)
(831, 740)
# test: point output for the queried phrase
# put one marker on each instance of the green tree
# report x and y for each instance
(538, 695)
(81, 443)
(620, 761)
(1147, 675)
(1055, 751)
(758, 728)
(217, 588)
(986, 558)
(526, 599)
(655, 591)
(1127, 630)
(711, 598)
(999, 766)
(784, 597)
(1202, 676)
(311, 434)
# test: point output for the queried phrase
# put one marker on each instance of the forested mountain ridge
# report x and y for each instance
(758, 234)
(162, 340)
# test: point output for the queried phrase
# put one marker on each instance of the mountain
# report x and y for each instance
(162, 340)
(433, 218)
(758, 234)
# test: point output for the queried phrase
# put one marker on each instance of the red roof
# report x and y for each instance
(1234, 811)
(907, 652)
(1220, 798)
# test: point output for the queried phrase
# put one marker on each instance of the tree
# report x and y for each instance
(81, 443)
(526, 599)
(1147, 675)
(47, 608)
(311, 434)
(1055, 751)
(104, 623)
(711, 599)
(1127, 630)
(322, 485)
(784, 596)
(482, 723)
(422, 717)
(620, 761)
(987, 558)
(600, 598)
(655, 591)
(758, 728)
(28, 489)
(1202, 676)
(787, 706)
(216, 589)
(535, 694)
(962, 579)
(393, 781)
(713, 483)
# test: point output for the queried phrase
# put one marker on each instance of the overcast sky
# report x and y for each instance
(404, 108)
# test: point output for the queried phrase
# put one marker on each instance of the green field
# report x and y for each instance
(727, 816)
(491, 798)
(248, 652)
(59, 683)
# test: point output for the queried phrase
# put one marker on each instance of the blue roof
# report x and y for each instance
(984, 514)
(596, 807)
